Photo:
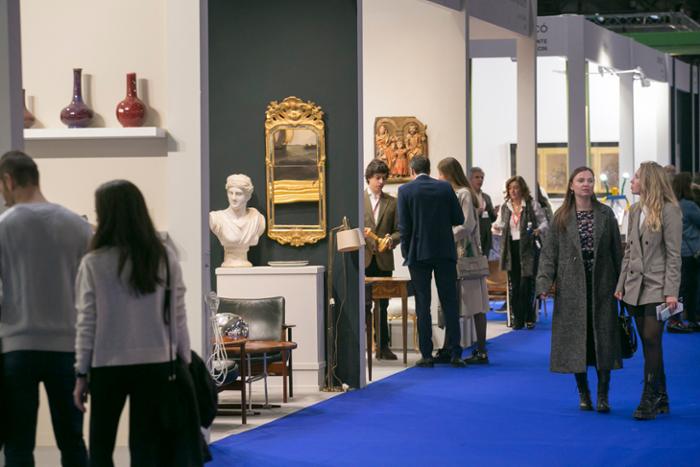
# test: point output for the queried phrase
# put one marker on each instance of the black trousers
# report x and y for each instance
(446, 281)
(109, 388)
(373, 271)
(522, 297)
(690, 282)
(22, 372)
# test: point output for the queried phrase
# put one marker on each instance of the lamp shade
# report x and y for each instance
(350, 240)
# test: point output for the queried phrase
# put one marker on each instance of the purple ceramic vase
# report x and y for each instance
(131, 111)
(29, 118)
(77, 114)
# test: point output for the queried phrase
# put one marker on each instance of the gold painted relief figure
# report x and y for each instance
(397, 140)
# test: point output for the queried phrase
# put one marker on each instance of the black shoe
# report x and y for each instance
(477, 358)
(387, 354)
(603, 405)
(584, 394)
(664, 406)
(678, 327)
(530, 326)
(457, 362)
(442, 356)
(425, 363)
(648, 407)
(517, 327)
(694, 326)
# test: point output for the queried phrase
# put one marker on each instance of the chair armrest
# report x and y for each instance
(288, 328)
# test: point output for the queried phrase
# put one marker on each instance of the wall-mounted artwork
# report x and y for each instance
(397, 140)
(605, 159)
(553, 166)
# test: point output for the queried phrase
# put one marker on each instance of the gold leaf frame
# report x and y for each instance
(290, 114)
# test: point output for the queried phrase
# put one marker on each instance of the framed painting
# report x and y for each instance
(605, 159)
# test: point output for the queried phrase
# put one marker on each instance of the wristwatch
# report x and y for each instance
(80, 375)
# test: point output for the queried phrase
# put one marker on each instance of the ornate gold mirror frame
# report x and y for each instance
(295, 161)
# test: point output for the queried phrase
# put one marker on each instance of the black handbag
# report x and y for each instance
(189, 398)
(628, 336)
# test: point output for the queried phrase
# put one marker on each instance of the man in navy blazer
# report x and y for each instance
(427, 210)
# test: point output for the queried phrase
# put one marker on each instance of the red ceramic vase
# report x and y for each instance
(77, 114)
(29, 118)
(131, 111)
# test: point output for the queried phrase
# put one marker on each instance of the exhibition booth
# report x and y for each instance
(485, 81)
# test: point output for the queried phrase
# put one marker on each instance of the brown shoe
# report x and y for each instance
(386, 354)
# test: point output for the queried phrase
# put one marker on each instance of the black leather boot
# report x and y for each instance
(584, 394)
(664, 406)
(603, 406)
(651, 397)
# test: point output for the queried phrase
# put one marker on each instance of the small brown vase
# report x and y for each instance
(29, 118)
(77, 114)
(131, 111)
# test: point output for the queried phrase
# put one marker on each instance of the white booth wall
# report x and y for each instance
(414, 64)
(651, 123)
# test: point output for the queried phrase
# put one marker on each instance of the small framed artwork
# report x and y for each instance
(605, 160)
(552, 167)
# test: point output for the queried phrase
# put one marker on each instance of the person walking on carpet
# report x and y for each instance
(583, 247)
(428, 209)
(651, 275)
(473, 293)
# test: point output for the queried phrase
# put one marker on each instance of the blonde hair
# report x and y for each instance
(654, 191)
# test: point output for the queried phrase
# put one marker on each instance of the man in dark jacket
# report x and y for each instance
(428, 209)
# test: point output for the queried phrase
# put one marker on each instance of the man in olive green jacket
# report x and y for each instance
(382, 220)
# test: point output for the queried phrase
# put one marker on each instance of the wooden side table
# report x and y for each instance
(387, 287)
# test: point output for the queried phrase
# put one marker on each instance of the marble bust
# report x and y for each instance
(238, 227)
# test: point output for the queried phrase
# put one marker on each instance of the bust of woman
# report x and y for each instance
(237, 227)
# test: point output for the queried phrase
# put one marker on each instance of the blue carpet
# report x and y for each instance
(512, 412)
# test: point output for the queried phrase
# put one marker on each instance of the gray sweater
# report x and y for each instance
(118, 327)
(40, 249)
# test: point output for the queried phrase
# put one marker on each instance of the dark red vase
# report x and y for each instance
(77, 114)
(131, 111)
(29, 118)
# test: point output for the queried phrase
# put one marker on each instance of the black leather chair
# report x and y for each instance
(265, 319)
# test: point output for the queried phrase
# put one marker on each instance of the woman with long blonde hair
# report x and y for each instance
(651, 275)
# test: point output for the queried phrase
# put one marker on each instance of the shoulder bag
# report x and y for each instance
(471, 264)
(628, 336)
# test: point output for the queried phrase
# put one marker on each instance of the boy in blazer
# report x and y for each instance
(380, 218)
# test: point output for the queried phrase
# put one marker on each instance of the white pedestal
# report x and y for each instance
(302, 289)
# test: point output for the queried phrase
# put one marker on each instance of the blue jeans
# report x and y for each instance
(22, 372)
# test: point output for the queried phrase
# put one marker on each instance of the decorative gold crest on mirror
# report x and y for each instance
(295, 160)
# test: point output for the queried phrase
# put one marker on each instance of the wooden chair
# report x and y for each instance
(236, 381)
(265, 319)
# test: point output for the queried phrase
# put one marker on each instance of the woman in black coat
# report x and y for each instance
(583, 247)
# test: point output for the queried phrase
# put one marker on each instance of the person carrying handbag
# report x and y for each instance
(123, 348)
(472, 265)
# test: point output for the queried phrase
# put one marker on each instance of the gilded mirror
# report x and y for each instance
(295, 160)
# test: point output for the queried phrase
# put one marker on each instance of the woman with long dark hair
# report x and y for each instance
(690, 255)
(474, 295)
(581, 256)
(651, 275)
(123, 345)
(519, 221)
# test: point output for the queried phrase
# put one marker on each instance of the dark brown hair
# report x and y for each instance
(681, 186)
(21, 168)
(123, 222)
(375, 167)
(561, 217)
(524, 190)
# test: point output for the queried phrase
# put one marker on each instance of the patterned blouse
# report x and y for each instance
(584, 220)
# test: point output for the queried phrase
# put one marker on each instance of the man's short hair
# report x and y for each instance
(21, 168)
(375, 167)
(420, 165)
(476, 170)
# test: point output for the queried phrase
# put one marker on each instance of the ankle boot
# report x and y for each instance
(603, 406)
(584, 394)
(649, 405)
(664, 406)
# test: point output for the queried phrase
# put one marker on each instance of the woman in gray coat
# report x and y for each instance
(583, 247)
(651, 275)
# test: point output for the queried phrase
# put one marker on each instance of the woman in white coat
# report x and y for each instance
(474, 295)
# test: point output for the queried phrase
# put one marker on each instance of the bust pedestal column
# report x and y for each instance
(302, 289)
